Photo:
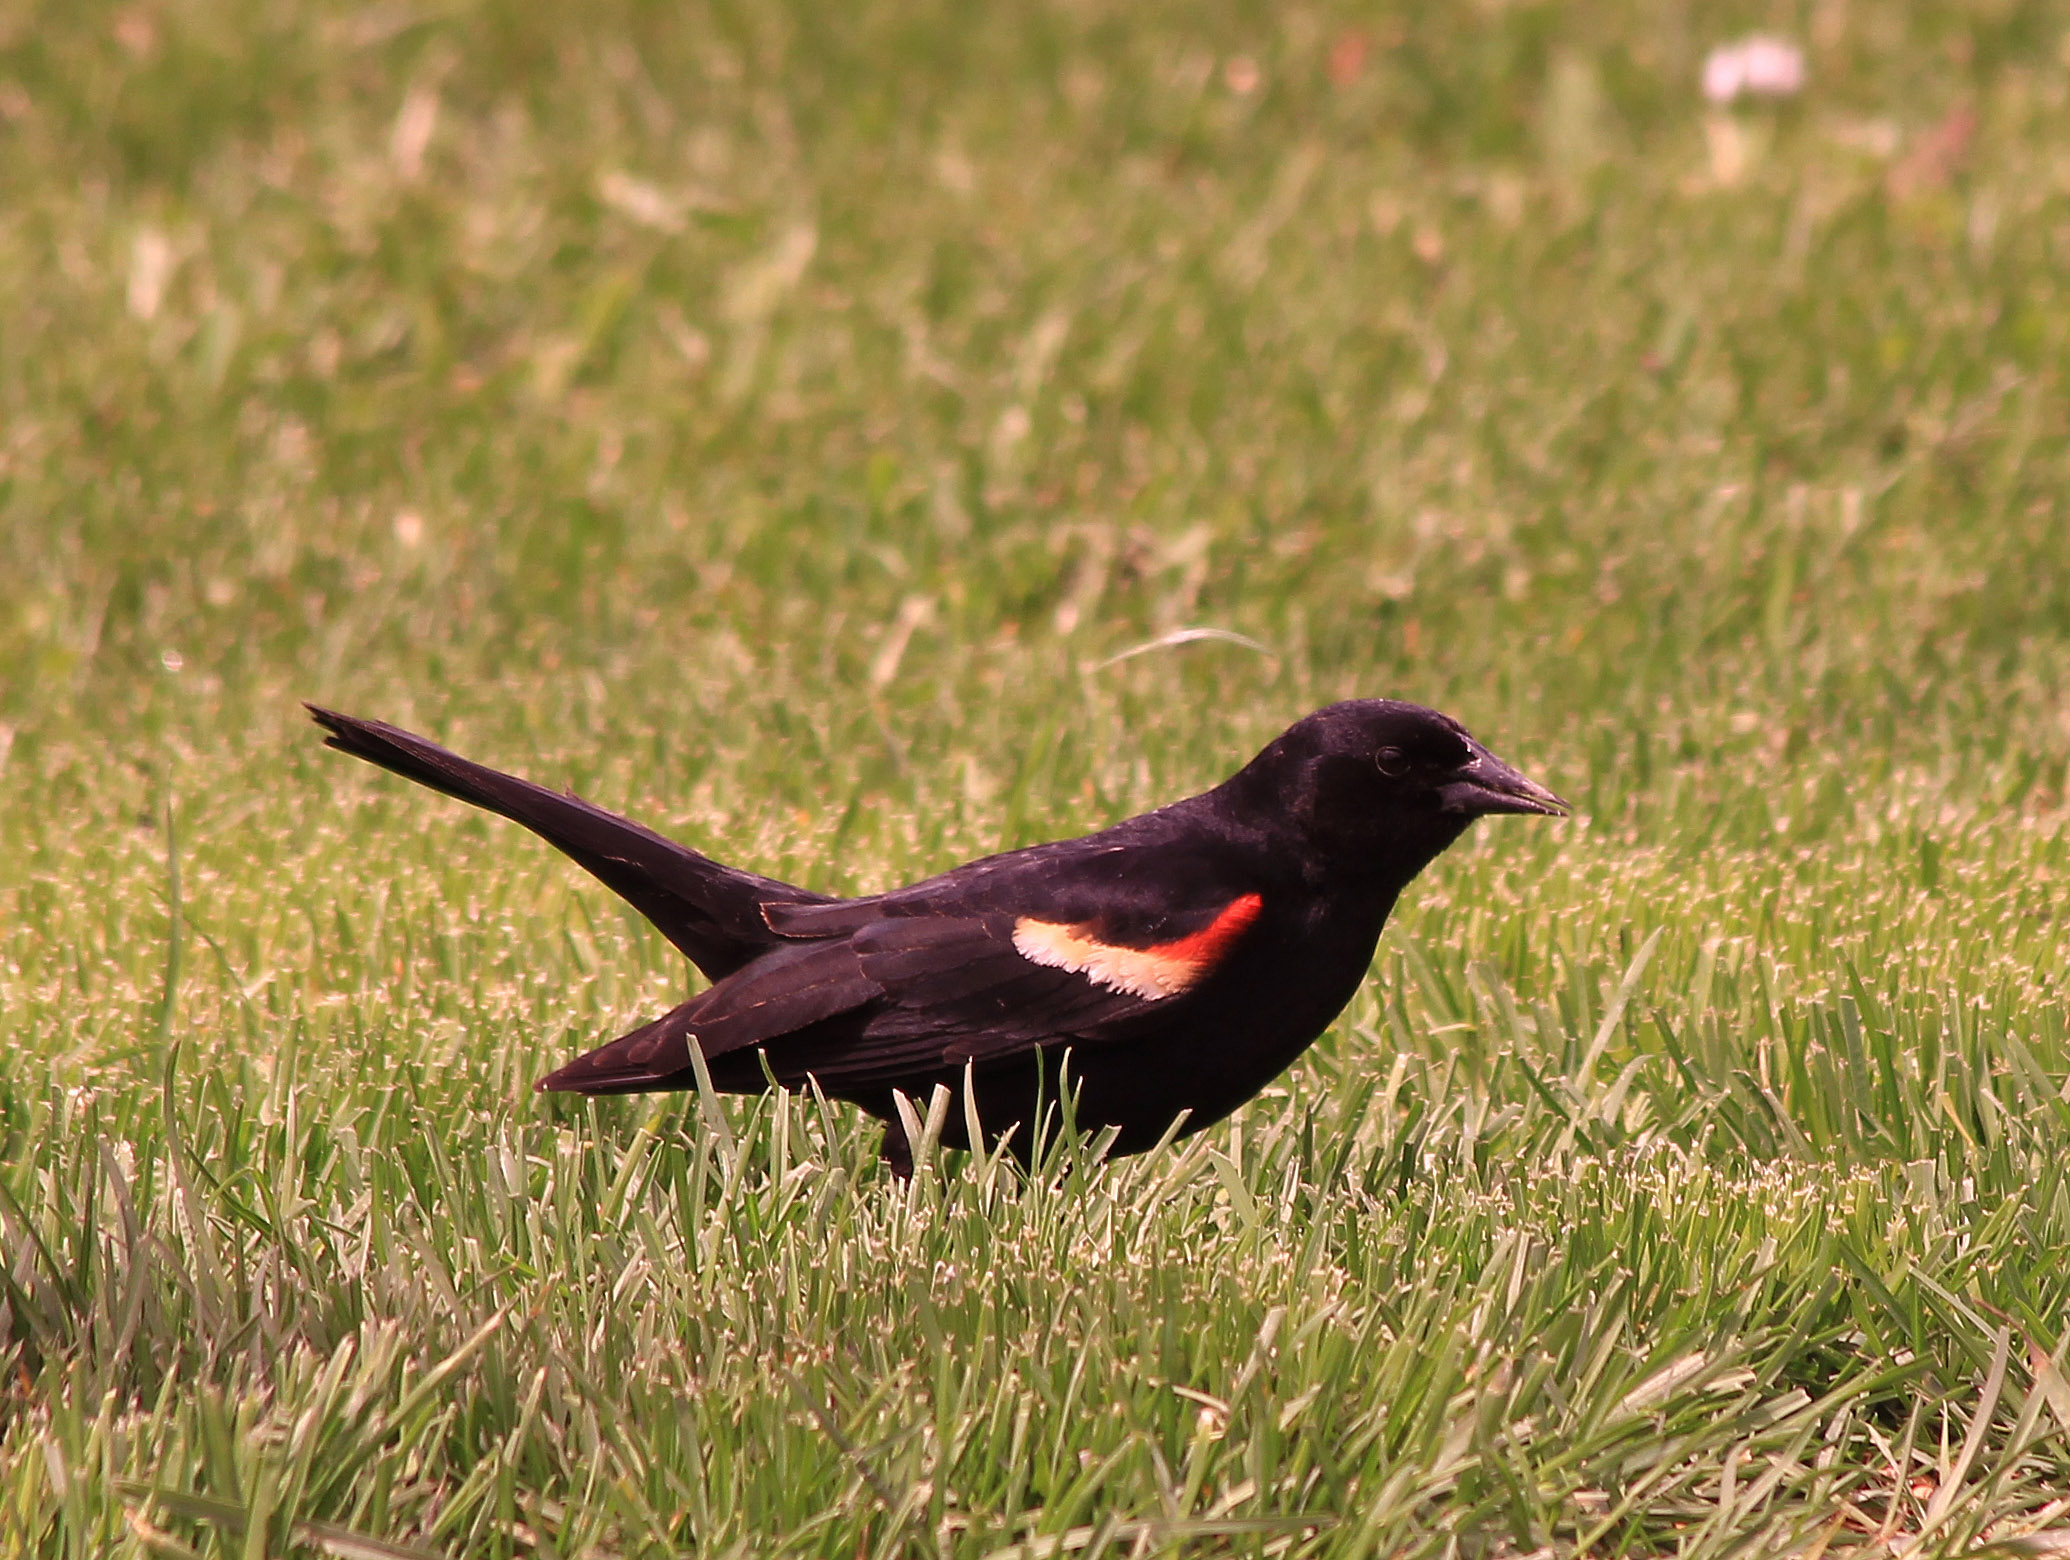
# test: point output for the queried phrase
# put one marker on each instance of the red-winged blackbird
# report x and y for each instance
(1181, 959)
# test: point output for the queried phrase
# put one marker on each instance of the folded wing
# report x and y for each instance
(785, 997)
(880, 999)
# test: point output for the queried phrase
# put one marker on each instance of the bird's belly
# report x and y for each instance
(1206, 1069)
(1212, 1055)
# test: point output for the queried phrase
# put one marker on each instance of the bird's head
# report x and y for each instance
(1373, 779)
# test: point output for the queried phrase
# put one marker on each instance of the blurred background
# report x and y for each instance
(677, 364)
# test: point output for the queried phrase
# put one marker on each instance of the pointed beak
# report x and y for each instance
(1485, 784)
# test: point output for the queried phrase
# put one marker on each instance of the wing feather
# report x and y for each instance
(963, 988)
(790, 991)
(978, 966)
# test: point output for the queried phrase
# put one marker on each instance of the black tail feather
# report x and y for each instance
(711, 911)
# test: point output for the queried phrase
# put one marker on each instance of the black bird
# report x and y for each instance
(1182, 958)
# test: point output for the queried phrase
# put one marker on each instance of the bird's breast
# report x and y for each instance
(1291, 975)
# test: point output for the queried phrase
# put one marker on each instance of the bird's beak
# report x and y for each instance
(1485, 784)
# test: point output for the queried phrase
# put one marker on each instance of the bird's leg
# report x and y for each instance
(897, 1153)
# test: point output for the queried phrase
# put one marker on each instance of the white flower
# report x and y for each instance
(1759, 66)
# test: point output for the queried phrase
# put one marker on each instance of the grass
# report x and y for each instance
(772, 420)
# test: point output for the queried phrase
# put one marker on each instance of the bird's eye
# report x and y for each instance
(1391, 762)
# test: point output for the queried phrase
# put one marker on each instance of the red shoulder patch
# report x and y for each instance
(1158, 971)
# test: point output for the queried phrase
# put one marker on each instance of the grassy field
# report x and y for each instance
(773, 420)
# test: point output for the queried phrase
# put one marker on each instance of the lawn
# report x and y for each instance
(779, 421)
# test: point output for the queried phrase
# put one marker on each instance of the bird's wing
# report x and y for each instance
(794, 991)
(1076, 942)
(905, 996)
(978, 987)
